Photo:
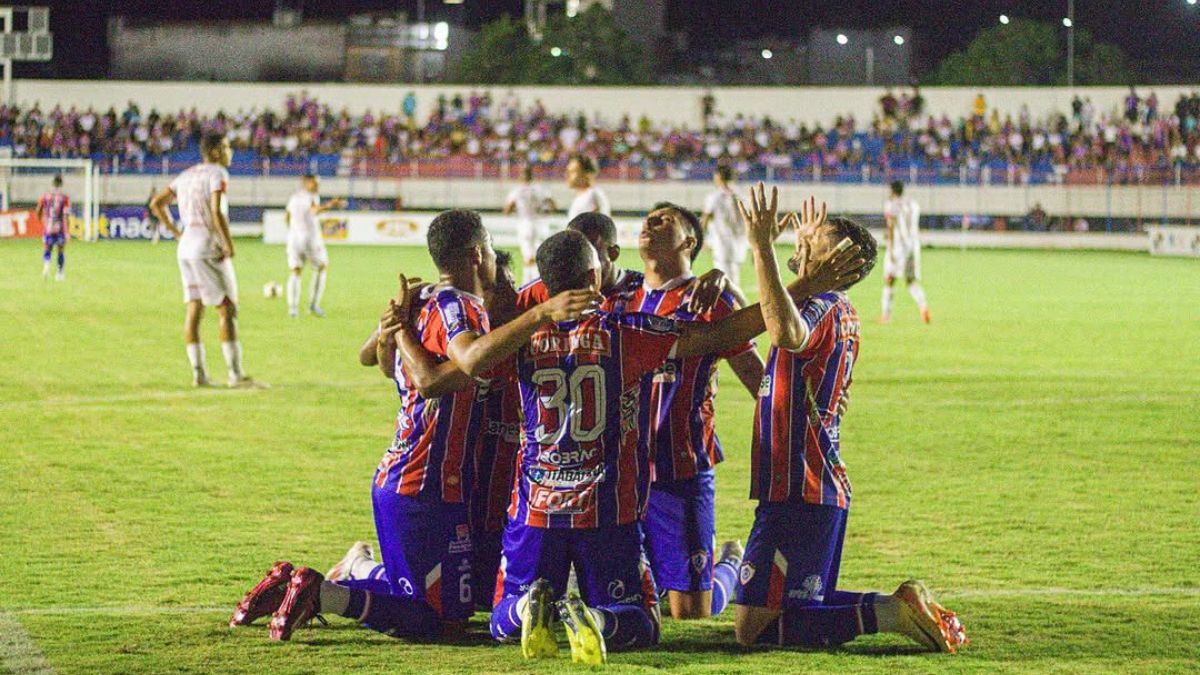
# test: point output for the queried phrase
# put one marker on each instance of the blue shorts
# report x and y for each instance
(59, 239)
(608, 562)
(681, 532)
(485, 565)
(426, 549)
(792, 556)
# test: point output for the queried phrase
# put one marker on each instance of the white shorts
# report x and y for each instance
(529, 237)
(208, 280)
(312, 250)
(905, 263)
(728, 249)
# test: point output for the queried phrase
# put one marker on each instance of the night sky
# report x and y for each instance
(1148, 30)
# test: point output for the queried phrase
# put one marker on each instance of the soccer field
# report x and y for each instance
(1032, 455)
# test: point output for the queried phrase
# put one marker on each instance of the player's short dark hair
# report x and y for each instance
(564, 260)
(846, 228)
(309, 176)
(897, 188)
(452, 234)
(693, 222)
(595, 226)
(58, 180)
(211, 140)
(725, 172)
(587, 164)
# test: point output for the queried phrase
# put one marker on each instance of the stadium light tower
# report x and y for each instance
(36, 43)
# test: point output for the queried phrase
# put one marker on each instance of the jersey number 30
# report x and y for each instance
(579, 400)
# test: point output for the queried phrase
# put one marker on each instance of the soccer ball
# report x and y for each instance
(271, 290)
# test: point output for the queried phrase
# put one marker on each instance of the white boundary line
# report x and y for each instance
(1189, 592)
(18, 652)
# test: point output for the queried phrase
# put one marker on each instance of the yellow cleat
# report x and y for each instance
(585, 636)
(927, 622)
(537, 623)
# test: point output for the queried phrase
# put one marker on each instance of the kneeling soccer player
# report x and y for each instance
(787, 593)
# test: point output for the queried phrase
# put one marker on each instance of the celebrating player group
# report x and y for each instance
(555, 446)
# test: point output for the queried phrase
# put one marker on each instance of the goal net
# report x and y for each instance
(23, 181)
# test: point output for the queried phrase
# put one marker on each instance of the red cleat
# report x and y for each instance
(265, 597)
(301, 603)
(925, 316)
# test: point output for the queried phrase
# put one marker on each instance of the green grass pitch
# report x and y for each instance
(1032, 455)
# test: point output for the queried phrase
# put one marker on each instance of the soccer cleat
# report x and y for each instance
(584, 634)
(361, 550)
(59, 275)
(300, 604)
(927, 622)
(316, 311)
(537, 622)
(293, 312)
(925, 316)
(732, 550)
(246, 382)
(201, 380)
(265, 597)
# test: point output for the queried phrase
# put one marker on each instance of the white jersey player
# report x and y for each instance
(581, 176)
(725, 232)
(205, 254)
(305, 245)
(527, 201)
(902, 219)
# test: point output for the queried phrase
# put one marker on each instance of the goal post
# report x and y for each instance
(23, 180)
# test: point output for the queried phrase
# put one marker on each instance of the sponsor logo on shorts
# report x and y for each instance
(406, 586)
(462, 539)
(616, 589)
(746, 573)
(812, 588)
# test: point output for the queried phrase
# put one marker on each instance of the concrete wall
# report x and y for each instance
(1177, 204)
(680, 105)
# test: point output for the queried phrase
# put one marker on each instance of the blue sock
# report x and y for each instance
(824, 626)
(628, 627)
(506, 622)
(46, 254)
(379, 572)
(725, 576)
(394, 615)
(62, 259)
(373, 585)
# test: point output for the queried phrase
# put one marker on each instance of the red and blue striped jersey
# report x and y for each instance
(582, 461)
(496, 460)
(56, 210)
(433, 454)
(795, 456)
(681, 435)
(535, 292)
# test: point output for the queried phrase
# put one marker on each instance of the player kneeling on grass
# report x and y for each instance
(788, 584)
(424, 481)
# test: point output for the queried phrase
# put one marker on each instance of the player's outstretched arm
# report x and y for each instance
(337, 203)
(477, 354)
(431, 378)
(367, 352)
(748, 366)
(159, 204)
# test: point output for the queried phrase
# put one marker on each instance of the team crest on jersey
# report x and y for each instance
(452, 316)
(665, 373)
(616, 589)
(699, 560)
(764, 387)
(745, 573)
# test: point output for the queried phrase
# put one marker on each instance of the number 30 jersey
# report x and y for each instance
(582, 464)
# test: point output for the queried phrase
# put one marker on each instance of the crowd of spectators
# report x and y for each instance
(901, 135)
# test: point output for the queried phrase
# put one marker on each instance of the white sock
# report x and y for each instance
(318, 288)
(362, 568)
(887, 613)
(233, 358)
(888, 293)
(293, 292)
(918, 293)
(600, 617)
(195, 352)
(335, 598)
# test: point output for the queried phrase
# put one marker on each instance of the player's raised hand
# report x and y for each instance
(569, 306)
(838, 268)
(709, 288)
(760, 217)
(408, 297)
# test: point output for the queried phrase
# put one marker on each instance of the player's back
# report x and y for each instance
(795, 455)
(194, 189)
(907, 215)
(581, 462)
(55, 207)
(302, 222)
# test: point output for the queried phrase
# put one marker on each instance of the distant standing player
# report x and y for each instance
(528, 200)
(205, 254)
(901, 217)
(581, 177)
(305, 244)
(723, 225)
(54, 210)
